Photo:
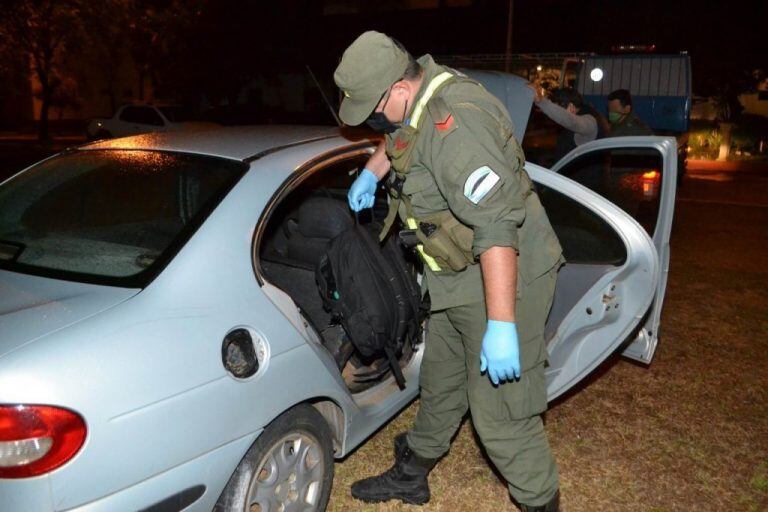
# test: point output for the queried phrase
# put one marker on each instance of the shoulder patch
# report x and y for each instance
(441, 115)
(479, 183)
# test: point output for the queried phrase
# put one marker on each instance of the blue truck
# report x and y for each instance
(660, 86)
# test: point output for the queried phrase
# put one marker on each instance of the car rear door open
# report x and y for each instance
(637, 174)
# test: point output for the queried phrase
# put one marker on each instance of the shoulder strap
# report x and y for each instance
(434, 85)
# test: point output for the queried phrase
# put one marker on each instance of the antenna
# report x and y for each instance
(325, 98)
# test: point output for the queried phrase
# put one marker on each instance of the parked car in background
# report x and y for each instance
(134, 119)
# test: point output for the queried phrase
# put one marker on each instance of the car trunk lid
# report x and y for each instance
(33, 306)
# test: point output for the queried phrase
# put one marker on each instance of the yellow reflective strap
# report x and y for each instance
(429, 260)
(431, 88)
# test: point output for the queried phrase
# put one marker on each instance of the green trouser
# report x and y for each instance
(506, 417)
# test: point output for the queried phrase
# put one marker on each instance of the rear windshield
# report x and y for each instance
(110, 216)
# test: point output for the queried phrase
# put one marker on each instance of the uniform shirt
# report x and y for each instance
(630, 125)
(475, 146)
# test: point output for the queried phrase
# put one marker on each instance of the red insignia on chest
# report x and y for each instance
(400, 143)
(445, 125)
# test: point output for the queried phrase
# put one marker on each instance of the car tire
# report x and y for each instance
(290, 464)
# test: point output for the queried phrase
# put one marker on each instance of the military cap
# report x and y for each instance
(368, 67)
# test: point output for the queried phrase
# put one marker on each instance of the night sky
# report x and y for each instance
(721, 37)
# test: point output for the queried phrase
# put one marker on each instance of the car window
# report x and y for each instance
(111, 216)
(282, 238)
(176, 114)
(141, 115)
(629, 178)
(584, 235)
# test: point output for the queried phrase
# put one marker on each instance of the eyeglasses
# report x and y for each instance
(386, 93)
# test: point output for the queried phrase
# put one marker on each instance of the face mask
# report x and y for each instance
(379, 122)
(615, 117)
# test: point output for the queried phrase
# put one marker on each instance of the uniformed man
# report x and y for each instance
(491, 258)
(624, 122)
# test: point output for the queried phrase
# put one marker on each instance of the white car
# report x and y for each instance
(163, 344)
(144, 118)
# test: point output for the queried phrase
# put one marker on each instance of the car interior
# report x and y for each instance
(301, 225)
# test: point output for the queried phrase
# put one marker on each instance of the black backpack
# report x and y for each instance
(369, 290)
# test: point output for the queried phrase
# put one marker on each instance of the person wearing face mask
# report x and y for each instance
(621, 118)
(455, 176)
(567, 109)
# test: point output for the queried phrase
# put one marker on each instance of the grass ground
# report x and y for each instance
(688, 433)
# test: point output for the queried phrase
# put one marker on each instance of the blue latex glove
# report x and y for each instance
(500, 353)
(363, 191)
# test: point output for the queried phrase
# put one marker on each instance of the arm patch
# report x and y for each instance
(442, 117)
(479, 183)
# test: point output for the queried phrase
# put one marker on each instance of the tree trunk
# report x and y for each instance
(725, 143)
(141, 83)
(43, 134)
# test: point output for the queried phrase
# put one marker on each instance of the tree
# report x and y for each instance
(107, 24)
(43, 31)
(725, 96)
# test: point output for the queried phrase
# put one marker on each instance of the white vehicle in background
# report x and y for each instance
(133, 119)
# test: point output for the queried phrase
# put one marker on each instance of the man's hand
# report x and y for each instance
(500, 353)
(537, 92)
(363, 191)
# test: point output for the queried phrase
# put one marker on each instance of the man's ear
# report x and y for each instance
(626, 109)
(402, 85)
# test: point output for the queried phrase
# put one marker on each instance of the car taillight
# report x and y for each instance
(36, 439)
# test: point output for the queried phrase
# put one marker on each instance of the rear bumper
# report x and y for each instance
(192, 486)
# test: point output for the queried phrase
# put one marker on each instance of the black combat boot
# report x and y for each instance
(552, 506)
(406, 480)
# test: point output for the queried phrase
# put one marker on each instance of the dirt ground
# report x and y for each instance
(688, 433)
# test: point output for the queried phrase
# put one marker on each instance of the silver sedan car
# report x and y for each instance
(163, 345)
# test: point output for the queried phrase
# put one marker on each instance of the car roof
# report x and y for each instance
(235, 143)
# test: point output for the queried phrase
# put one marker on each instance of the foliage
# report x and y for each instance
(46, 32)
(705, 138)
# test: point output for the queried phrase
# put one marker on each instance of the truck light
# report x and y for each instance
(650, 182)
(652, 175)
(36, 439)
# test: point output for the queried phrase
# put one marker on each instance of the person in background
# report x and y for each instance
(567, 109)
(623, 122)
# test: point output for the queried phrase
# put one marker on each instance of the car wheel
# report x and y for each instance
(288, 468)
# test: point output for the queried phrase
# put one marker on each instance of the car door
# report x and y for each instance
(637, 174)
(606, 285)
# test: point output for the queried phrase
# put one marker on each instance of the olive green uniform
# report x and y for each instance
(629, 125)
(449, 156)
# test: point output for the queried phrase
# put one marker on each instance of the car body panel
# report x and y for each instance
(235, 143)
(33, 306)
(643, 347)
